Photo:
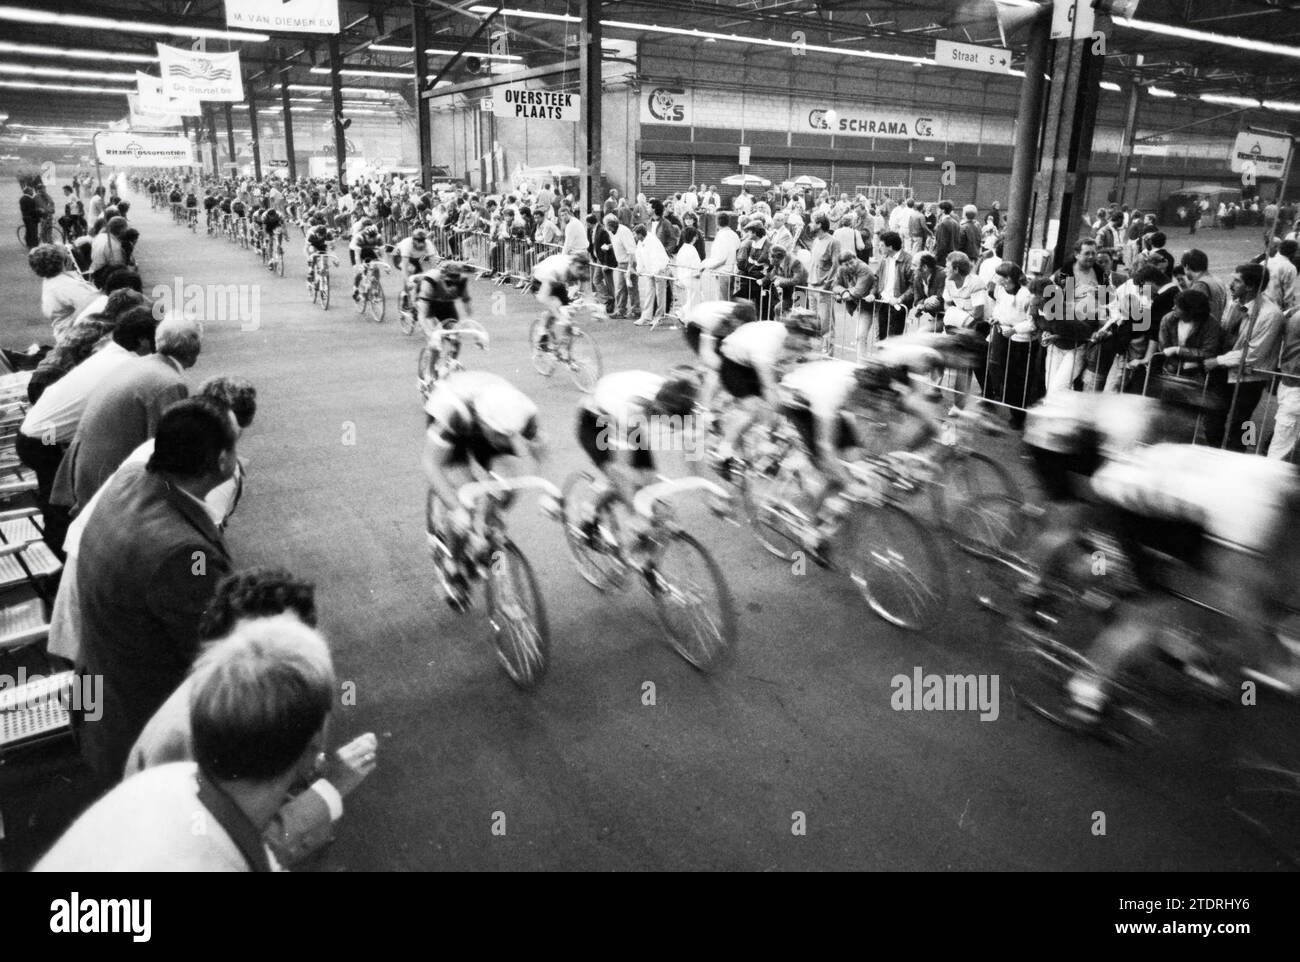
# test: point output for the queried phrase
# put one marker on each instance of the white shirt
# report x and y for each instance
(624, 243)
(621, 398)
(554, 270)
(575, 236)
(54, 418)
(1281, 282)
(93, 307)
(758, 344)
(1011, 312)
(825, 384)
(722, 257)
(63, 297)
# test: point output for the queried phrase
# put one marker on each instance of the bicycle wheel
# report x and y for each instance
(543, 358)
(517, 617)
(980, 506)
(598, 553)
(22, 236)
(584, 361)
(771, 496)
(897, 566)
(424, 374)
(693, 601)
(375, 304)
(324, 282)
(406, 321)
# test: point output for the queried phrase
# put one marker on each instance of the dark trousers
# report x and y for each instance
(44, 461)
(1248, 398)
(889, 319)
(31, 231)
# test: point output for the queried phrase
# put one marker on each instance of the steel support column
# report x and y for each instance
(336, 88)
(252, 126)
(589, 72)
(288, 125)
(1024, 151)
(230, 135)
(423, 123)
(1126, 146)
(210, 122)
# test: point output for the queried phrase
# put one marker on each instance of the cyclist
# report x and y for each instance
(551, 280)
(474, 419)
(630, 411)
(315, 243)
(191, 205)
(176, 197)
(210, 203)
(239, 212)
(414, 255)
(273, 224)
(442, 304)
(256, 218)
(753, 359)
(818, 399)
(1187, 501)
(364, 249)
(707, 325)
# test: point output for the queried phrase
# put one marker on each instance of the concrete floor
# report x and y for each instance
(586, 775)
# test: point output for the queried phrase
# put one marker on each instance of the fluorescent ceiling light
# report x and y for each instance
(1107, 85)
(1226, 40)
(327, 88)
(22, 70)
(365, 72)
(1230, 100)
(52, 18)
(438, 52)
(40, 50)
(71, 88)
(529, 14)
(390, 48)
(1284, 105)
(1160, 92)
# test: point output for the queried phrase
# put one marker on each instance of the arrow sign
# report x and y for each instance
(972, 56)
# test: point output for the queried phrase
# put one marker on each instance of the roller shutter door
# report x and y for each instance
(671, 174)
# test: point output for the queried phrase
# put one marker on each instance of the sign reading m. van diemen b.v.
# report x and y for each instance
(125, 149)
(522, 103)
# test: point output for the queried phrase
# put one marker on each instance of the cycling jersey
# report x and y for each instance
(226, 206)
(191, 201)
(238, 208)
(272, 220)
(440, 295)
(758, 345)
(816, 393)
(175, 197)
(407, 250)
(1067, 421)
(715, 318)
(612, 418)
(366, 247)
(454, 423)
(318, 240)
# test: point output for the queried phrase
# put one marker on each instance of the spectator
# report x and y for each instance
(72, 347)
(48, 430)
(259, 705)
(1282, 276)
(1286, 426)
(63, 293)
(1253, 326)
(575, 234)
(236, 395)
(721, 261)
(963, 303)
(688, 271)
(924, 299)
(917, 230)
(894, 280)
(149, 561)
(786, 279)
(1188, 335)
(107, 251)
(603, 262)
(119, 279)
(824, 258)
(1014, 367)
(1196, 268)
(847, 238)
(651, 268)
(969, 237)
(124, 410)
(31, 217)
(627, 299)
(947, 234)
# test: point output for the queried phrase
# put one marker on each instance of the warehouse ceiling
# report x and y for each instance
(541, 32)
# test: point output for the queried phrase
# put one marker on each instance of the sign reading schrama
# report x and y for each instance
(190, 75)
(284, 16)
(1266, 154)
(522, 103)
(887, 122)
(125, 149)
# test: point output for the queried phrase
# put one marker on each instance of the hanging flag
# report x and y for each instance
(189, 75)
(154, 101)
(287, 16)
(145, 118)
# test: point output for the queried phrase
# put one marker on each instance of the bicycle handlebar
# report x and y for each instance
(644, 501)
(470, 494)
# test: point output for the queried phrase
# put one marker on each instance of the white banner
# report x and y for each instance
(666, 105)
(284, 16)
(145, 118)
(187, 75)
(522, 103)
(152, 100)
(1266, 156)
(143, 150)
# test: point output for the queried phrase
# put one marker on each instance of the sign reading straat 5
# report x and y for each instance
(523, 103)
(885, 122)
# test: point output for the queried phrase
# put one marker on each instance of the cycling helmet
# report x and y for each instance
(419, 235)
(675, 397)
(801, 320)
(507, 411)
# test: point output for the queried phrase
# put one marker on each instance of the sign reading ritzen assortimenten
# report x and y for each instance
(125, 149)
(523, 103)
(1266, 156)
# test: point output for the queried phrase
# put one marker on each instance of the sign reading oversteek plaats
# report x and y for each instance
(523, 103)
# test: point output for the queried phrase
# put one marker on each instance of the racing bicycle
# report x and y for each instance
(370, 292)
(429, 371)
(568, 345)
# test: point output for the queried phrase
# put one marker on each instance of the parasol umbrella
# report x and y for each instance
(746, 180)
(554, 170)
(808, 182)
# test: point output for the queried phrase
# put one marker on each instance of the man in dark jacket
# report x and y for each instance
(970, 239)
(150, 560)
(946, 233)
(31, 216)
(603, 261)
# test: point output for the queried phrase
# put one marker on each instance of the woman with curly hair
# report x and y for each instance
(63, 292)
(73, 346)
